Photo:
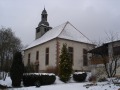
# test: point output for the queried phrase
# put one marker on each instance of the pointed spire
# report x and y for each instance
(44, 11)
(44, 18)
(44, 7)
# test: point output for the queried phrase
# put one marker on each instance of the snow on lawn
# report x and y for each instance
(58, 85)
(6, 82)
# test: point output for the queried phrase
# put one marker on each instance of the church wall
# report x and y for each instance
(41, 48)
(78, 53)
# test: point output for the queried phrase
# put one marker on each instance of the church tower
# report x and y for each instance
(43, 26)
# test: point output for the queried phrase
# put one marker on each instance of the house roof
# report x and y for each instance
(115, 41)
(101, 50)
(64, 31)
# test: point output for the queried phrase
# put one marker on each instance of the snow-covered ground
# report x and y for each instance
(58, 85)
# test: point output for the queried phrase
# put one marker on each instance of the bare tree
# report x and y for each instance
(109, 54)
(9, 44)
(113, 54)
(111, 66)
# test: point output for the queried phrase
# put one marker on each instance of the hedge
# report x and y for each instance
(79, 76)
(37, 79)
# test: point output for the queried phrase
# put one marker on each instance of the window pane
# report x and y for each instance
(47, 59)
(84, 51)
(47, 56)
(29, 58)
(45, 29)
(116, 50)
(47, 50)
(37, 55)
(70, 50)
(85, 59)
(38, 30)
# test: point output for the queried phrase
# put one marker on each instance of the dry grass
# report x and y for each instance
(93, 79)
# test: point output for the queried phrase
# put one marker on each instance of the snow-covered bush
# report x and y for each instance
(31, 79)
(79, 76)
(47, 79)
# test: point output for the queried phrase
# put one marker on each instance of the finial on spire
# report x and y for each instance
(44, 7)
(44, 11)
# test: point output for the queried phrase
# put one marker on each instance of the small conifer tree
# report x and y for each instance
(17, 69)
(65, 65)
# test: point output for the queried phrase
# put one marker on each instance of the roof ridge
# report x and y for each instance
(53, 29)
(81, 32)
(63, 28)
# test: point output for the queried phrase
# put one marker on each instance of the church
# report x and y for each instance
(45, 50)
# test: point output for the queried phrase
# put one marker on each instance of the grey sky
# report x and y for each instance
(92, 17)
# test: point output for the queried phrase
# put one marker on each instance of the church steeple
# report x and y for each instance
(44, 18)
(44, 15)
(43, 26)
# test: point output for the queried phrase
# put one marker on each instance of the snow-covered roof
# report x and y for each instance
(64, 31)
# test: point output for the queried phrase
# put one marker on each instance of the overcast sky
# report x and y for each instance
(92, 17)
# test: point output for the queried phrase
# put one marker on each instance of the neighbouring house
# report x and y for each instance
(104, 54)
(45, 50)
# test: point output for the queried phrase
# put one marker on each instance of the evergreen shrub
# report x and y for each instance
(65, 65)
(80, 77)
(31, 79)
(17, 70)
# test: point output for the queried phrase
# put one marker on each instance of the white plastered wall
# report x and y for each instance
(78, 53)
(42, 48)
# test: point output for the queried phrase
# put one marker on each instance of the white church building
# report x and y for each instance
(45, 50)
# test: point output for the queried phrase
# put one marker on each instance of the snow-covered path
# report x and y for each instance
(65, 86)
(70, 86)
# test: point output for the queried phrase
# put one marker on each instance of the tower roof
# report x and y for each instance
(43, 18)
(44, 11)
(65, 31)
(43, 23)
